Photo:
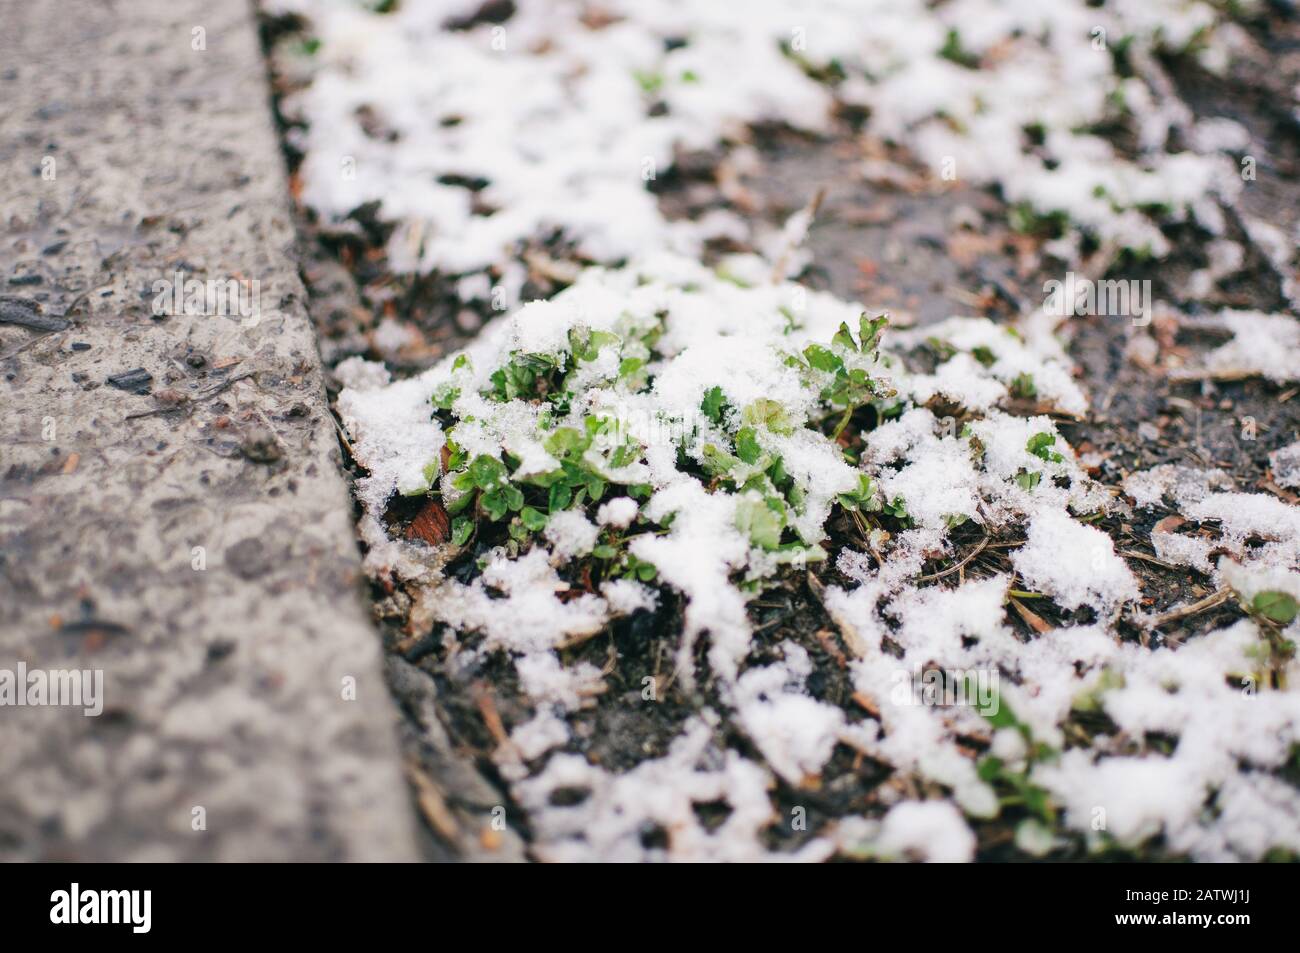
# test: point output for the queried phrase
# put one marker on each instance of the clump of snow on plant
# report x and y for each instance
(477, 138)
(1058, 548)
(988, 361)
(402, 437)
(1228, 738)
(693, 315)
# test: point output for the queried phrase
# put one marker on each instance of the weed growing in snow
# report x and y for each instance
(577, 521)
(531, 430)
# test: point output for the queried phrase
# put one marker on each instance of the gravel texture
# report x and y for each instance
(172, 510)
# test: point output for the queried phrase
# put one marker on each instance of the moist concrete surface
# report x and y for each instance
(172, 512)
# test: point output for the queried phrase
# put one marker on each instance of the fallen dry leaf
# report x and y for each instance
(431, 524)
(1032, 619)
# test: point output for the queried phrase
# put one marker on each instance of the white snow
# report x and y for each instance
(1074, 563)
(1285, 464)
(1264, 344)
(618, 512)
(570, 534)
(929, 831)
(591, 107)
(795, 733)
(660, 794)
(1183, 485)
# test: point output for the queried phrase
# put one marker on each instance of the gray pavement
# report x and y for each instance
(172, 512)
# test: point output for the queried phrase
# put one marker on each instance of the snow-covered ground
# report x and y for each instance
(479, 140)
(676, 426)
(1000, 470)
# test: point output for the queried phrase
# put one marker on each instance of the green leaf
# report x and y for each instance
(445, 396)
(566, 441)
(747, 447)
(628, 369)
(1040, 445)
(1027, 479)
(844, 338)
(588, 347)
(770, 414)
(462, 528)
(458, 504)
(942, 348)
(760, 521)
(718, 462)
(534, 520)
(1275, 606)
(897, 508)
(561, 495)
(1024, 386)
(953, 50)
(1002, 716)
(650, 82)
(712, 404)
(495, 505)
(823, 359)
(776, 472)
(869, 331)
(486, 472)
(863, 497)
(798, 553)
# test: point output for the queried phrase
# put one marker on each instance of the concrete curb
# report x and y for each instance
(172, 512)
